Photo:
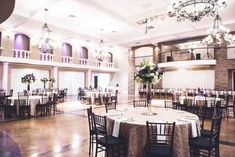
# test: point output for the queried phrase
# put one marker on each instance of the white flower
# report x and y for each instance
(151, 68)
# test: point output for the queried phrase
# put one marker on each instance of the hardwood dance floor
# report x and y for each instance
(66, 134)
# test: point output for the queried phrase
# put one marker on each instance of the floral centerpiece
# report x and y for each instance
(148, 73)
(28, 79)
(52, 81)
(44, 80)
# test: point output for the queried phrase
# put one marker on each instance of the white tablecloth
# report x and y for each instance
(33, 100)
(210, 100)
(93, 94)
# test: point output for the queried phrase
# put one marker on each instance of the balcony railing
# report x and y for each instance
(17, 53)
(46, 57)
(67, 59)
(83, 61)
(102, 64)
(187, 54)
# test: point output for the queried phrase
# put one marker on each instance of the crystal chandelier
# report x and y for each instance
(100, 54)
(193, 10)
(218, 35)
(45, 43)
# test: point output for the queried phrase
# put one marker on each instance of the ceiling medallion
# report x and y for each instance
(193, 10)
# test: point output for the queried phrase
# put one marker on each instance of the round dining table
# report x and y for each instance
(33, 101)
(129, 123)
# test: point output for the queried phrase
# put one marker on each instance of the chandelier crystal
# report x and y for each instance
(193, 10)
(100, 54)
(45, 43)
(218, 35)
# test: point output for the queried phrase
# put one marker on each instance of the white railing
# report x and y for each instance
(103, 64)
(67, 59)
(17, 53)
(97, 63)
(46, 57)
(83, 61)
(109, 64)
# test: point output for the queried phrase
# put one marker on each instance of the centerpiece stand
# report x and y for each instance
(148, 73)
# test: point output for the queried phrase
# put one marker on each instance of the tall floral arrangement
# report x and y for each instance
(28, 78)
(148, 72)
(52, 80)
(44, 80)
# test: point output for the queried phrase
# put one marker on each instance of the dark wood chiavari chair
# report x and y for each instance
(159, 139)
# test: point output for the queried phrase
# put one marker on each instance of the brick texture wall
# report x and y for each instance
(222, 68)
(131, 71)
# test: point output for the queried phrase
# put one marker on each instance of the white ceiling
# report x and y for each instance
(117, 18)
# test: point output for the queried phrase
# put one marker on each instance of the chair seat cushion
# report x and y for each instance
(111, 140)
(160, 150)
(205, 133)
(202, 143)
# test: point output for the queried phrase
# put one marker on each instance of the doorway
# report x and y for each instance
(95, 82)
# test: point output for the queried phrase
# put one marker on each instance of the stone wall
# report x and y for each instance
(131, 71)
(222, 69)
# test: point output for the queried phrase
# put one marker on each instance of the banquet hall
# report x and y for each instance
(126, 78)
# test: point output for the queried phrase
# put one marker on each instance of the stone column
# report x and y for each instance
(5, 70)
(131, 72)
(55, 76)
(88, 78)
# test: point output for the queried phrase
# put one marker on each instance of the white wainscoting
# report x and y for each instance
(17, 74)
(189, 79)
(71, 80)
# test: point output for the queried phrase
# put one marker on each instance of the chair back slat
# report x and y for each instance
(160, 133)
(90, 119)
(215, 127)
(23, 99)
(140, 103)
(100, 126)
(110, 106)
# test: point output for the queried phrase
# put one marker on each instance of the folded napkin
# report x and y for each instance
(163, 138)
(194, 129)
(116, 126)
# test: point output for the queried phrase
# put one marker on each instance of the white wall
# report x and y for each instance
(17, 74)
(189, 79)
(121, 77)
(103, 80)
(142, 53)
(71, 80)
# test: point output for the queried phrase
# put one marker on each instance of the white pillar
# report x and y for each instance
(55, 76)
(5, 68)
(88, 78)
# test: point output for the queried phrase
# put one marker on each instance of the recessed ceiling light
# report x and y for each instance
(71, 16)
(114, 31)
(87, 40)
(137, 42)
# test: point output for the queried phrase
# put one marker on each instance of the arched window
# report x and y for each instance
(66, 50)
(110, 57)
(21, 42)
(84, 53)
